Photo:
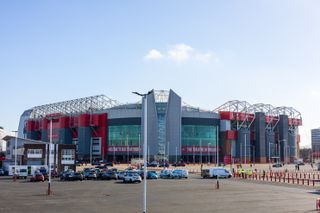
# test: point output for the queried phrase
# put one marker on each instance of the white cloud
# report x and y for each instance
(181, 53)
(153, 55)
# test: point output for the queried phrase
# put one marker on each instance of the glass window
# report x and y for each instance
(124, 135)
(197, 135)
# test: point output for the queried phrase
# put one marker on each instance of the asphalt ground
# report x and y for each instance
(190, 195)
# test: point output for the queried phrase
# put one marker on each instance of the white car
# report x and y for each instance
(132, 178)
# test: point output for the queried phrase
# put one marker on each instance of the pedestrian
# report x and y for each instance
(201, 167)
(298, 167)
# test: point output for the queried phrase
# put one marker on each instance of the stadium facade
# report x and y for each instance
(103, 128)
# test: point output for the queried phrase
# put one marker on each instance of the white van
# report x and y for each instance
(217, 172)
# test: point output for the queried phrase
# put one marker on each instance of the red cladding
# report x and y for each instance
(103, 120)
(94, 120)
(64, 122)
(226, 115)
(44, 124)
(30, 126)
(84, 120)
(231, 135)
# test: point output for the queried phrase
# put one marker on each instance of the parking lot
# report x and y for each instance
(185, 195)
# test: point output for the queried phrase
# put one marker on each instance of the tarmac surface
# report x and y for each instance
(189, 195)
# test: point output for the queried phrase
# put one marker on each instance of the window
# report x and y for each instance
(34, 151)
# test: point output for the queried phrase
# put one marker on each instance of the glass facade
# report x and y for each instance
(197, 135)
(161, 114)
(124, 135)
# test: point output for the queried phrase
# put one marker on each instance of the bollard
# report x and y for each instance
(217, 185)
(313, 182)
(308, 182)
(302, 181)
(267, 177)
(318, 204)
(292, 180)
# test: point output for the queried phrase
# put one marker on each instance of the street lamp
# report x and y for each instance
(208, 153)
(15, 155)
(145, 147)
(200, 151)
(127, 149)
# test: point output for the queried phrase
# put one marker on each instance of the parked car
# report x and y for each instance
(65, 175)
(37, 177)
(153, 164)
(164, 164)
(166, 174)
(75, 176)
(1, 172)
(121, 175)
(132, 177)
(91, 175)
(54, 174)
(180, 173)
(152, 175)
(23, 173)
(216, 173)
(109, 175)
(179, 164)
(277, 165)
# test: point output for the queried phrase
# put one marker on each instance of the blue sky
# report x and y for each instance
(209, 52)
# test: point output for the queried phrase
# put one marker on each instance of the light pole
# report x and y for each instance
(50, 142)
(145, 147)
(114, 153)
(245, 148)
(15, 155)
(139, 147)
(200, 151)
(176, 154)
(217, 149)
(127, 149)
(208, 153)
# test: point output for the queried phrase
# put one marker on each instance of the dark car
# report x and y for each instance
(166, 174)
(179, 164)
(75, 176)
(96, 163)
(164, 164)
(277, 165)
(153, 164)
(65, 175)
(54, 174)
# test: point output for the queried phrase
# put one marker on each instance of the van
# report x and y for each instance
(216, 173)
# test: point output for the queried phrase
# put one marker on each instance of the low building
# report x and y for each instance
(32, 152)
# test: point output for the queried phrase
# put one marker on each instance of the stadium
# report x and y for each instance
(104, 129)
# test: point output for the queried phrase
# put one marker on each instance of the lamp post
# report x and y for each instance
(49, 156)
(176, 154)
(200, 151)
(139, 147)
(145, 147)
(245, 148)
(208, 153)
(127, 149)
(15, 155)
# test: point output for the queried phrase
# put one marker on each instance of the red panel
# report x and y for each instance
(103, 120)
(94, 120)
(268, 119)
(74, 134)
(37, 125)
(299, 122)
(197, 149)
(240, 116)
(226, 115)
(250, 117)
(64, 122)
(84, 120)
(44, 124)
(30, 125)
(74, 121)
(231, 135)
(124, 149)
